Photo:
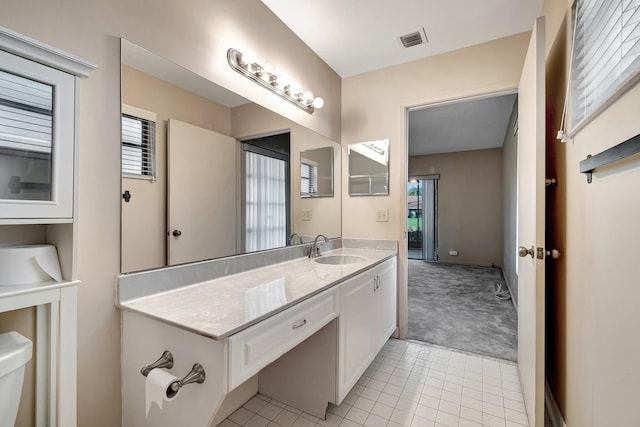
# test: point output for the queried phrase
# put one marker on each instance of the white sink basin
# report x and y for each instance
(339, 259)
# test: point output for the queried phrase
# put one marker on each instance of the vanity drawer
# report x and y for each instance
(257, 346)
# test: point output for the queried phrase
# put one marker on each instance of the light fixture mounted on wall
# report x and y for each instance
(264, 74)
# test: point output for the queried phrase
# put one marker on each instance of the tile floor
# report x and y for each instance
(410, 384)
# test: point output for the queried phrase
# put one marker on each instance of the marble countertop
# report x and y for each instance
(222, 307)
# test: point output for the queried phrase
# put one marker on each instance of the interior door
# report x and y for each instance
(201, 199)
(531, 226)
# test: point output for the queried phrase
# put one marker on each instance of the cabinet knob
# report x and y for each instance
(177, 233)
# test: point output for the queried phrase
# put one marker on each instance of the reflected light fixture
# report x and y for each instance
(264, 74)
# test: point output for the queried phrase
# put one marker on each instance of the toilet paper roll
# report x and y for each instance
(157, 388)
(28, 264)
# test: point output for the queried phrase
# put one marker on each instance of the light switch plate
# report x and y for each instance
(382, 215)
(306, 215)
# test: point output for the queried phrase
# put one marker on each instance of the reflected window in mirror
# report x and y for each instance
(316, 172)
(138, 142)
(369, 168)
(308, 178)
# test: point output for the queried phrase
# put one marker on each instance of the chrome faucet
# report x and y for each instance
(315, 249)
(294, 235)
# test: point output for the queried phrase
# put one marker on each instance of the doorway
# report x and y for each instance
(458, 157)
(422, 218)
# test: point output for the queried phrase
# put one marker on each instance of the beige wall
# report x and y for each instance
(469, 204)
(195, 34)
(594, 290)
(373, 107)
(144, 218)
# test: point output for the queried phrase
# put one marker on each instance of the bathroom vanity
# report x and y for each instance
(276, 329)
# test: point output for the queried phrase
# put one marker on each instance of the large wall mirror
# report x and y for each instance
(208, 174)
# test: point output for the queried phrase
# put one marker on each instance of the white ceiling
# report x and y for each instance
(356, 36)
(467, 125)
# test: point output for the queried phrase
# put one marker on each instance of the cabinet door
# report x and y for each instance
(36, 140)
(356, 331)
(385, 304)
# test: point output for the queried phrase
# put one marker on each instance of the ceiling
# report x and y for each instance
(462, 126)
(357, 36)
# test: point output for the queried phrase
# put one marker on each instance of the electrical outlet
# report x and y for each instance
(306, 215)
(382, 215)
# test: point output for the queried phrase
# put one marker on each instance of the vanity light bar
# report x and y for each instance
(264, 75)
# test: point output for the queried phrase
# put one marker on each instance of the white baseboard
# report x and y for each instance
(552, 408)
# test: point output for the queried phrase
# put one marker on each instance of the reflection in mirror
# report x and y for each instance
(186, 185)
(369, 168)
(316, 172)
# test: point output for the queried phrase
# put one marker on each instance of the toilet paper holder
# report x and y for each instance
(165, 361)
(196, 375)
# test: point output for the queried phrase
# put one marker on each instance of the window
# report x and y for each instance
(308, 178)
(266, 199)
(606, 55)
(26, 112)
(138, 142)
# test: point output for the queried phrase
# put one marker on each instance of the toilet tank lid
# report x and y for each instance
(15, 351)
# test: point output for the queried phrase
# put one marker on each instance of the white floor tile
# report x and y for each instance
(418, 421)
(285, 418)
(382, 410)
(410, 385)
(516, 416)
(470, 414)
(357, 415)
(447, 419)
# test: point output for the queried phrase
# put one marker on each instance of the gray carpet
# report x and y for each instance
(454, 306)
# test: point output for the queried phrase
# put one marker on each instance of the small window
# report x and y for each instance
(606, 55)
(308, 178)
(138, 142)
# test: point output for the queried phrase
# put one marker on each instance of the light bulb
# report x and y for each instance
(318, 102)
(268, 67)
(283, 81)
(307, 97)
(249, 57)
(294, 88)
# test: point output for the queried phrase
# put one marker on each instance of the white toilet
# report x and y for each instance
(15, 352)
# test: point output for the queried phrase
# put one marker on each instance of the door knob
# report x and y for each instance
(177, 233)
(523, 252)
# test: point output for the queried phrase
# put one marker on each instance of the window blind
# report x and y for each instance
(266, 202)
(308, 179)
(606, 54)
(26, 113)
(138, 146)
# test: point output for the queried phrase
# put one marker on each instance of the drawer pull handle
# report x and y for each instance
(299, 324)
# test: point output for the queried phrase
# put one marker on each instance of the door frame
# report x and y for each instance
(403, 267)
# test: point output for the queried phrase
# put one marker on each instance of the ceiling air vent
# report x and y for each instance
(414, 39)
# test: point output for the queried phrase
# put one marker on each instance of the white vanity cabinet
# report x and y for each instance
(367, 320)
